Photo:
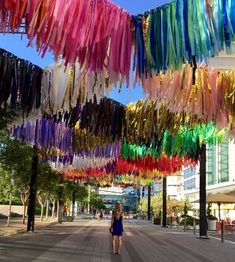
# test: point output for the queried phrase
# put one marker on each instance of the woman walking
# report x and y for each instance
(117, 228)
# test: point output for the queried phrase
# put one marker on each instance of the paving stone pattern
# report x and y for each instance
(90, 241)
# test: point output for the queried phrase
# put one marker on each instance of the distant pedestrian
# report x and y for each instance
(117, 227)
(106, 213)
(65, 211)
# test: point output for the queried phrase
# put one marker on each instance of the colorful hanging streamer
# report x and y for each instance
(99, 34)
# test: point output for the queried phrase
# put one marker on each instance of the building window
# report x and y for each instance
(223, 160)
(189, 172)
(211, 165)
(190, 184)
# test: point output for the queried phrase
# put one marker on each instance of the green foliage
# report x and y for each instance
(143, 205)
(15, 215)
(156, 206)
(48, 181)
(6, 116)
(209, 215)
(81, 194)
(5, 188)
(16, 158)
(156, 203)
(96, 200)
(189, 220)
(37, 209)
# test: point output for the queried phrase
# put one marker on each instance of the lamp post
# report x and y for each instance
(164, 202)
(33, 191)
(202, 217)
(59, 201)
(149, 202)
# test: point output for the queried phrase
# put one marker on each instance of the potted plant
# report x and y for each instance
(188, 221)
(211, 219)
(157, 220)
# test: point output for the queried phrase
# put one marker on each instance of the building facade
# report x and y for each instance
(127, 197)
(220, 176)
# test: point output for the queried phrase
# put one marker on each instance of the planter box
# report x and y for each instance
(68, 219)
(212, 225)
(157, 221)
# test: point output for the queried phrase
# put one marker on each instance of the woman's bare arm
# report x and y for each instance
(112, 220)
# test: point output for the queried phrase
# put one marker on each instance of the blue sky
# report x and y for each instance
(18, 46)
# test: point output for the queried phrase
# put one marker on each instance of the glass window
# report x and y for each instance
(223, 160)
(189, 172)
(211, 165)
(190, 184)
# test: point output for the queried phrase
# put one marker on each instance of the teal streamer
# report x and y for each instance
(181, 31)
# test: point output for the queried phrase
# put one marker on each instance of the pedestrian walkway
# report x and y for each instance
(229, 236)
(90, 240)
(16, 225)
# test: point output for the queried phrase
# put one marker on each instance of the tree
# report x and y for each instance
(6, 116)
(71, 189)
(4, 186)
(17, 157)
(96, 200)
(81, 194)
(143, 206)
(47, 184)
(156, 202)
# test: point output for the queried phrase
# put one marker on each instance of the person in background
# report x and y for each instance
(65, 211)
(94, 213)
(117, 227)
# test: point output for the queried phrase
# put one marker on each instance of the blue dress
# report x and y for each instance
(117, 226)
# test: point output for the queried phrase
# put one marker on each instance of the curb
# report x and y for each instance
(24, 230)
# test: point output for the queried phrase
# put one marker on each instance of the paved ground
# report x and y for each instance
(16, 225)
(90, 240)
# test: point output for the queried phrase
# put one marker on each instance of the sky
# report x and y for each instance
(17, 45)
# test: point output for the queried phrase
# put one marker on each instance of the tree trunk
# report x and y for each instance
(24, 213)
(53, 209)
(9, 211)
(41, 202)
(47, 208)
(42, 212)
(24, 199)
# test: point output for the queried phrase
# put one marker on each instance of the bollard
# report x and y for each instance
(194, 226)
(222, 231)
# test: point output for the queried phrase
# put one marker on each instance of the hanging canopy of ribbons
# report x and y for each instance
(97, 140)
(90, 31)
(20, 83)
(92, 153)
(129, 172)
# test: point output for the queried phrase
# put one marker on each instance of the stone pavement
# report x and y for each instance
(90, 240)
(228, 235)
(16, 225)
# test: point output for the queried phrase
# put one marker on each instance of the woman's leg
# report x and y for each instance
(119, 244)
(114, 244)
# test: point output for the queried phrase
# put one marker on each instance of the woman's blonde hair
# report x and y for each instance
(117, 210)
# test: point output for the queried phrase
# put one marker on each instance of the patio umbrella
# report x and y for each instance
(175, 203)
(226, 207)
(220, 198)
